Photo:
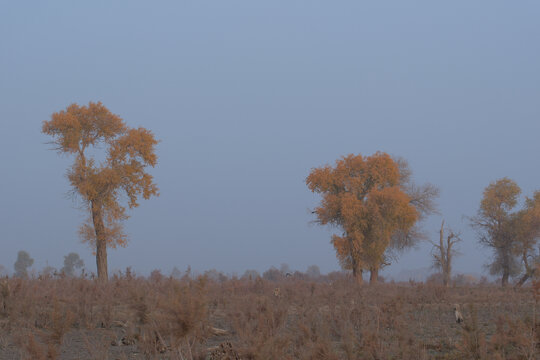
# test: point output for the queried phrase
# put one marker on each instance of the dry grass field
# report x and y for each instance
(196, 318)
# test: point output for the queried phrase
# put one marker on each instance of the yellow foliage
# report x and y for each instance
(362, 196)
(499, 198)
(76, 130)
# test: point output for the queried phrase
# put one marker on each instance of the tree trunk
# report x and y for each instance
(357, 273)
(444, 256)
(525, 277)
(446, 278)
(373, 275)
(522, 280)
(101, 243)
(504, 280)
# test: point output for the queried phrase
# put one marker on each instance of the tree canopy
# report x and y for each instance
(72, 261)
(365, 197)
(23, 262)
(512, 234)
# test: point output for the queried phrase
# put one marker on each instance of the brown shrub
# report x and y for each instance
(188, 318)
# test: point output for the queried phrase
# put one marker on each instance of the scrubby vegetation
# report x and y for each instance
(330, 317)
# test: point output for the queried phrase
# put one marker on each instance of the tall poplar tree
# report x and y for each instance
(79, 131)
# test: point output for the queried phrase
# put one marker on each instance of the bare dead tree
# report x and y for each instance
(443, 253)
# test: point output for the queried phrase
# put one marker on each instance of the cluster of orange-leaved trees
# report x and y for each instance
(512, 233)
(373, 203)
(370, 199)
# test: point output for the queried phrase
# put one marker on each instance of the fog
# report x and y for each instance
(246, 98)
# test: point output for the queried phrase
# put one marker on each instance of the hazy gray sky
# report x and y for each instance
(246, 97)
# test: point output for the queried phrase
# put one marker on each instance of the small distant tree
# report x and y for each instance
(298, 275)
(48, 270)
(272, 274)
(3, 271)
(436, 278)
(250, 275)
(464, 279)
(187, 274)
(24, 261)
(72, 261)
(338, 276)
(176, 273)
(443, 253)
(80, 131)
(313, 272)
(215, 275)
(285, 268)
(156, 276)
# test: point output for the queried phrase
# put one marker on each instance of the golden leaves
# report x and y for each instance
(362, 196)
(499, 198)
(511, 234)
(129, 151)
(78, 127)
(114, 233)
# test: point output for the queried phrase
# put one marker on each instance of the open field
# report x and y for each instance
(164, 318)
